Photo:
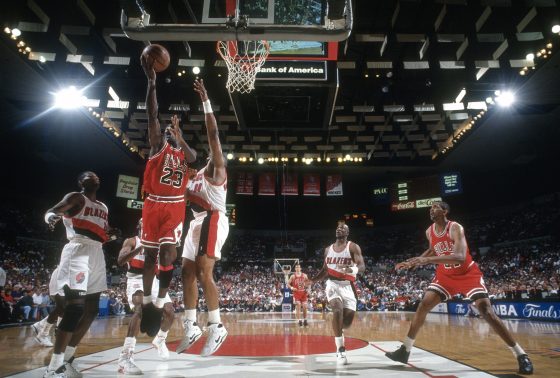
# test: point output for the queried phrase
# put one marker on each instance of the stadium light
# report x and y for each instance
(229, 156)
(16, 32)
(556, 29)
(260, 161)
(69, 98)
(505, 99)
(196, 70)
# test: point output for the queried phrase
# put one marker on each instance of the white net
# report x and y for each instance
(243, 60)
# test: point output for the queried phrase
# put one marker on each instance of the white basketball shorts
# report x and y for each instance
(342, 290)
(82, 267)
(207, 234)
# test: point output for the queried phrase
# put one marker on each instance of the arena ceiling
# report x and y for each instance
(398, 104)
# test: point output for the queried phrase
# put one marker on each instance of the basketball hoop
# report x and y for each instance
(244, 60)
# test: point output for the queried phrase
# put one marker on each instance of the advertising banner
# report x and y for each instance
(518, 310)
(267, 184)
(334, 185)
(289, 185)
(244, 184)
(311, 185)
(127, 187)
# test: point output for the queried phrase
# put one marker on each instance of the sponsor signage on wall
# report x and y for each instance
(520, 310)
(427, 202)
(293, 70)
(133, 204)
(451, 184)
(405, 205)
(127, 187)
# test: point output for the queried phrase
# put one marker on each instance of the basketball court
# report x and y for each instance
(272, 344)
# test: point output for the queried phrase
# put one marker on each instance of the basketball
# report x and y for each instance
(159, 55)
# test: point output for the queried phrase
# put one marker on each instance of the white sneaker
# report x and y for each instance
(192, 334)
(159, 343)
(126, 365)
(58, 373)
(37, 328)
(71, 371)
(341, 356)
(44, 340)
(216, 336)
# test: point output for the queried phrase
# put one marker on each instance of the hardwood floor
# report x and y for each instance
(469, 341)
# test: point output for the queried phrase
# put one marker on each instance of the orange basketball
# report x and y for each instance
(159, 56)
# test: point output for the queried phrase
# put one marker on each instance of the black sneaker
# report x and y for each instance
(300, 323)
(305, 322)
(401, 355)
(525, 364)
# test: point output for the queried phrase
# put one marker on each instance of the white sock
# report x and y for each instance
(408, 343)
(58, 321)
(57, 360)
(191, 315)
(147, 299)
(69, 352)
(214, 316)
(342, 338)
(162, 334)
(339, 341)
(129, 343)
(517, 350)
(159, 302)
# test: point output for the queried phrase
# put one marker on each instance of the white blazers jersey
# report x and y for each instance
(204, 196)
(91, 222)
(336, 263)
(136, 264)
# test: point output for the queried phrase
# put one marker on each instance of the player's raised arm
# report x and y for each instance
(154, 130)
(190, 153)
(128, 251)
(70, 205)
(217, 160)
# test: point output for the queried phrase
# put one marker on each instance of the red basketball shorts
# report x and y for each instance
(162, 222)
(300, 296)
(468, 284)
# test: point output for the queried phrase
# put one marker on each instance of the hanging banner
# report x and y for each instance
(334, 185)
(244, 184)
(267, 184)
(127, 187)
(289, 184)
(311, 185)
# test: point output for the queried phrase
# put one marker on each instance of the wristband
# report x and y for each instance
(354, 269)
(48, 215)
(207, 107)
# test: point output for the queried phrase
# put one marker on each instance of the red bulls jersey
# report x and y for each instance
(166, 173)
(442, 244)
(91, 221)
(299, 281)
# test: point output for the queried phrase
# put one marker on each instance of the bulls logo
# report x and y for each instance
(80, 277)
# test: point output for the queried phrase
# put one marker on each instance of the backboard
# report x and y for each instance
(223, 20)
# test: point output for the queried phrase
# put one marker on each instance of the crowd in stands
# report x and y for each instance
(518, 251)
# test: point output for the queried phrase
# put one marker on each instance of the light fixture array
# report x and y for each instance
(116, 131)
(305, 160)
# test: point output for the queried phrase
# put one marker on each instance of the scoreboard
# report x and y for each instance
(417, 192)
(231, 213)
